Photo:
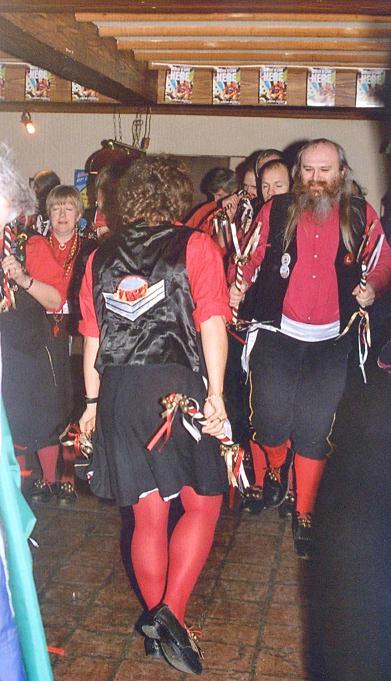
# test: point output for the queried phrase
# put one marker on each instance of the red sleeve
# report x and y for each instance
(200, 215)
(380, 277)
(208, 286)
(41, 265)
(88, 325)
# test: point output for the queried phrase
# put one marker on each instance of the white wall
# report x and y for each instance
(64, 141)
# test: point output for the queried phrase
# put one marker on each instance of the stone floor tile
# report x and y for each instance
(290, 594)
(243, 570)
(148, 670)
(114, 598)
(222, 656)
(204, 587)
(53, 615)
(111, 620)
(226, 675)
(259, 676)
(84, 669)
(275, 635)
(218, 553)
(96, 644)
(264, 551)
(283, 661)
(232, 634)
(73, 573)
(68, 596)
(56, 635)
(233, 611)
(241, 590)
(196, 610)
(108, 525)
(96, 544)
(292, 615)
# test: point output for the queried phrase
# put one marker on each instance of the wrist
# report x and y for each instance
(27, 282)
(91, 400)
(214, 395)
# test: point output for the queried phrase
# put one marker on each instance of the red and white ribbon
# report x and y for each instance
(233, 453)
(9, 299)
(368, 261)
(241, 258)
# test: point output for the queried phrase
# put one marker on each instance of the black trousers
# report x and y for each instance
(295, 388)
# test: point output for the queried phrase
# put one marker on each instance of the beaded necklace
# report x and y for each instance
(72, 252)
(58, 317)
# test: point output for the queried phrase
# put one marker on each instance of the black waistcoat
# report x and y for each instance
(25, 328)
(271, 287)
(165, 333)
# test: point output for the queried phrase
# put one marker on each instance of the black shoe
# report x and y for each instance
(276, 483)
(302, 535)
(152, 648)
(287, 508)
(252, 500)
(177, 645)
(42, 492)
(66, 494)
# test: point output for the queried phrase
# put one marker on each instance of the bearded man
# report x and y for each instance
(306, 292)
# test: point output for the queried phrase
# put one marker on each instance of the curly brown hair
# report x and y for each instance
(155, 189)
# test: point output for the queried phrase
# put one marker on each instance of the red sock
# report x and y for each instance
(189, 549)
(259, 463)
(149, 547)
(276, 455)
(48, 457)
(21, 459)
(68, 458)
(308, 473)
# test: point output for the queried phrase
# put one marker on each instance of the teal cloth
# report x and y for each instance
(18, 521)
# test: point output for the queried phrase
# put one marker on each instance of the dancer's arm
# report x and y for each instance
(215, 348)
(91, 380)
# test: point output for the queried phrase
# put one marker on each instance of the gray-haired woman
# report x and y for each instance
(30, 285)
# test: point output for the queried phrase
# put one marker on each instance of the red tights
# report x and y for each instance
(48, 457)
(168, 571)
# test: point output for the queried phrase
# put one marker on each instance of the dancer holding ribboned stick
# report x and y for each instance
(155, 306)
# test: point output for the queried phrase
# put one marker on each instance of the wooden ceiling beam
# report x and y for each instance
(233, 16)
(171, 29)
(205, 110)
(260, 57)
(75, 52)
(253, 44)
(371, 7)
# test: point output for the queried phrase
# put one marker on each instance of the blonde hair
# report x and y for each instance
(63, 193)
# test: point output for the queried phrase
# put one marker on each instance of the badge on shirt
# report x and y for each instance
(285, 262)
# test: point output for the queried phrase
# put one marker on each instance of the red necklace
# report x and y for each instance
(74, 249)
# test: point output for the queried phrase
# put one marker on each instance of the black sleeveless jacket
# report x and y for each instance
(163, 334)
(25, 328)
(271, 287)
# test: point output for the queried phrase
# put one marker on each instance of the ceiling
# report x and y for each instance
(117, 47)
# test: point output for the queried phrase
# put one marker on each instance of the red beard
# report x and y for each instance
(318, 196)
(316, 188)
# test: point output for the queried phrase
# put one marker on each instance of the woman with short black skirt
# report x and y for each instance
(154, 306)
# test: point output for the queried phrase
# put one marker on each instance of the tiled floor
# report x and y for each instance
(252, 601)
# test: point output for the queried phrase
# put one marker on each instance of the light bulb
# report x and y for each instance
(28, 122)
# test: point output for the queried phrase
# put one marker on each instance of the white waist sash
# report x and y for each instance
(311, 333)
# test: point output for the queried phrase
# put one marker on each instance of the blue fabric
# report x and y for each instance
(11, 665)
(17, 521)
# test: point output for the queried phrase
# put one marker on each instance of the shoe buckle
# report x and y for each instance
(194, 634)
